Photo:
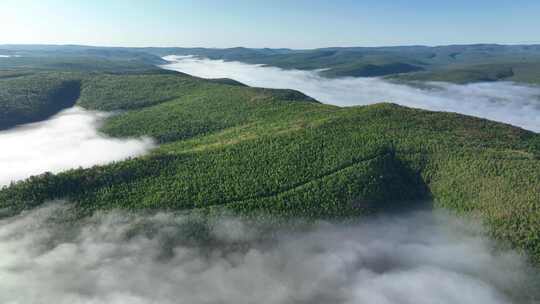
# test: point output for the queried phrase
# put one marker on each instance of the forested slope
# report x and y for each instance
(34, 97)
(257, 151)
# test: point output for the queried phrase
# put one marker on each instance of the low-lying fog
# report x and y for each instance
(416, 258)
(67, 140)
(500, 101)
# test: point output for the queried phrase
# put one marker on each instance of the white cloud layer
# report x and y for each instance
(506, 102)
(68, 140)
(421, 258)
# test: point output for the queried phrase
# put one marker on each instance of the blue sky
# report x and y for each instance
(270, 23)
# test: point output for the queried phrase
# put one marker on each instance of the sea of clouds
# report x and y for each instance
(422, 257)
(506, 102)
(68, 140)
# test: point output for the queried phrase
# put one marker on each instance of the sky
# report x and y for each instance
(276, 23)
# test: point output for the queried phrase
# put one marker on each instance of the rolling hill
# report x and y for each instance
(228, 148)
(454, 63)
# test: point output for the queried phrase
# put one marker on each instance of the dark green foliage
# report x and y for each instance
(333, 175)
(528, 72)
(128, 92)
(25, 99)
(482, 73)
(371, 70)
(113, 92)
(227, 81)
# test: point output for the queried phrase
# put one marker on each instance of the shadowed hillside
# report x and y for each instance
(31, 98)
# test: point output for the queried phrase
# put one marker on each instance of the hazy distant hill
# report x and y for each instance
(464, 63)
(454, 63)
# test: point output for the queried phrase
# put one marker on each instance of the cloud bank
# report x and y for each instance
(68, 140)
(417, 258)
(506, 102)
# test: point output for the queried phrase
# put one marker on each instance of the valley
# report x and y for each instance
(174, 168)
(270, 152)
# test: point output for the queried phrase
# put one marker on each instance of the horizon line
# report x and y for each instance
(524, 43)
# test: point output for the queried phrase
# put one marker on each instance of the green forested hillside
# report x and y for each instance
(32, 97)
(250, 151)
(518, 72)
(462, 75)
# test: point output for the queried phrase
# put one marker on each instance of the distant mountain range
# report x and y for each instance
(453, 63)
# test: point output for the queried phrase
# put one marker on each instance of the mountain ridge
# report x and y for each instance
(229, 148)
(471, 62)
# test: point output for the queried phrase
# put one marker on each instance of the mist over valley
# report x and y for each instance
(419, 257)
(507, 102)
(67, 140)
(141, 173)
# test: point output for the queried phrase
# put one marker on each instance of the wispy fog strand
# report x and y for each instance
(417, 258)
(506, 102)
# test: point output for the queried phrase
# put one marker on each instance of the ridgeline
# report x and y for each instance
(225, 147)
